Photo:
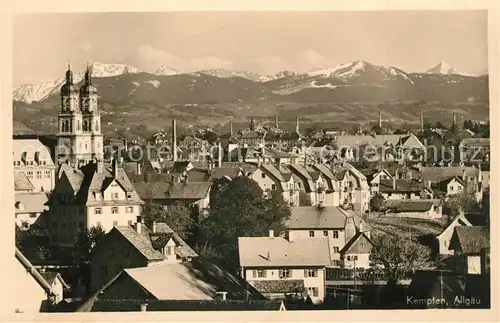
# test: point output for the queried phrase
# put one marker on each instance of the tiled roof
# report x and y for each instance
(230, 172)
(377, 140)
(325, 171)
(279, 286)
(22, 183)
(246, 167)
(476, 142)
(31, 149)
(31, 202)
(438, 174)
(421, 205)
(173, 191)
(191, 280)
(314, 217)
(402, 185)
(74, 176)
(277, 252)
(141, 242)
(275, 172)
(471, 239)
(134, 305)
(182, 249)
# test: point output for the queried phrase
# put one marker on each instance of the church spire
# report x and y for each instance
(69, 74)
(252, 124)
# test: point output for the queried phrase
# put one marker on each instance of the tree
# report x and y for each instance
(399, 256)
(85, 241)
(177, 216)
(240, 208)
(377, 129)
(377, 203)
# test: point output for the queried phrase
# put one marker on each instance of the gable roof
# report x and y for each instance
(456, 220)
(174, 191)
(438, 174)
(354, 240)
(278, 252)
(314, 217)
(421, 205)
(402, 185)
(140, 242)
(22, 183)
(470, 239)
(51, 276)
(32, 202)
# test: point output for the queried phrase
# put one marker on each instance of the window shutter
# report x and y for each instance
(305, 272)
(264, 273)
(254, 273)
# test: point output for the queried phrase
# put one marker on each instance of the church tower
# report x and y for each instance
(79, 137)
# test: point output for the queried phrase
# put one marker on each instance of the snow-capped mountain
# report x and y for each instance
(37, 92)
(163, 70)
(348, 71)
(441, 68)
(222, 73)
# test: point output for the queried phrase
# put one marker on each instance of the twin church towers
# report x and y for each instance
(79, 137)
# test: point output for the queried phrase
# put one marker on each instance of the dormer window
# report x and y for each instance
(19, 205)
(129, 195)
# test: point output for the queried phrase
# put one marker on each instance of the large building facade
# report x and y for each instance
(79, 137)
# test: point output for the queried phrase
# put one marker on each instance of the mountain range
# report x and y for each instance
(351, 82)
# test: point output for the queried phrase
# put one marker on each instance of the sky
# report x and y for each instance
(260, 42)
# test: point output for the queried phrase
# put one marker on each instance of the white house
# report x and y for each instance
(421, 209)
(33, 159)
(444, 237)
(92, 196)
(280, 268)
(271, 178)
(356, 253)
(29, 207)
(334, 223)
(314, 185)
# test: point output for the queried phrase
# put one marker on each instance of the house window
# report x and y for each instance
(335, 234)
(263, 175)
(98, 210)
(114, 196)
(32, 215)
(285, 273)
(47, 174)
(129, 195)
(115, 223)
(130, 209)
(311, 234)
(325, 233)
(38, 174)
(114, 210)
(311, 273)
(312, 291)
(352, 258)
(259, 273)
(273, 187)
(169, 250)
(336, 249)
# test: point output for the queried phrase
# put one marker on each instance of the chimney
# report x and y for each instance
(100, 166)
(219, 154)
(271, 233)
(231, 128)
(297, 124)
(276, 120)
(154, 227)
(144, 307)
(114, 167)
(380, 119)
(138, 227)
(174, 140)
(223, 295)
(422, 120)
